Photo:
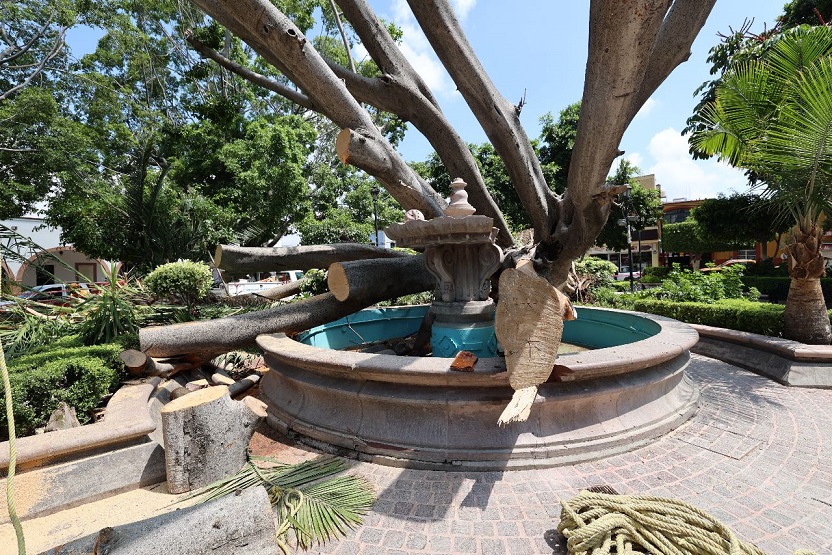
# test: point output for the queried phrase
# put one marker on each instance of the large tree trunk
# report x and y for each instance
(207, 339)
(805, 317)
(386, 277)
(244, 260)
(207, 436)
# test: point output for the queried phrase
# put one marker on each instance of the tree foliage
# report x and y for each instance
(741, 219)
(691, 237)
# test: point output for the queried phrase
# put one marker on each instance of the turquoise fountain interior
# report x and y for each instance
(593, 329)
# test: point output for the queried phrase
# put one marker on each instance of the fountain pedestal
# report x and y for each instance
(460, 251)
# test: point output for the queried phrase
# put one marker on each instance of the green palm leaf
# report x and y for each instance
(311, 505)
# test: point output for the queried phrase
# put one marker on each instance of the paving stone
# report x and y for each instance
(763, 465)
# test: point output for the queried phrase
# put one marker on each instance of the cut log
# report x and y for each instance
(207, 339)
(284, 290)
(140, 364)
(206, 436)
(243, 385)
(263, 259)
(388, 278)
(210, 338)
(241, 522)
(529, 325)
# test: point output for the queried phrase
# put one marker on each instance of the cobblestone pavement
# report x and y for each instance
(757, 456)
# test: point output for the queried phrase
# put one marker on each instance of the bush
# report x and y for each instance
(735, 314)
(78, 376)
(777, 288)
(185, 281)
(699, 287)
(654, 274)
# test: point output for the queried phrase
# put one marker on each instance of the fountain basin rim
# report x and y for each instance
(673, 339)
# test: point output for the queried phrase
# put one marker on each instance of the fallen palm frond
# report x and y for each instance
(309, 504)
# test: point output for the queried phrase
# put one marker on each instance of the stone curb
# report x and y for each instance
(785, 361)
(125, 421)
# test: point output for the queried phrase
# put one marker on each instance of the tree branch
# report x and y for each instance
(495, 114)
(18, 51)
(59, 43)
(252, 76)
(274, 36)
(409, 97)
(343, 35)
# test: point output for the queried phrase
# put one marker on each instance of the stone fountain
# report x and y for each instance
(628, 388)
(460, 252)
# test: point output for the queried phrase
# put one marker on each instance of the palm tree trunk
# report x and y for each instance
(805, 318)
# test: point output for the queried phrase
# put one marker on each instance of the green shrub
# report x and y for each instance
(315, 283)
(654, 274)
(79, 376)
(185, 281)
(735, 314)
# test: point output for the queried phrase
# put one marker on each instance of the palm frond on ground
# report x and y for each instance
(311, 503)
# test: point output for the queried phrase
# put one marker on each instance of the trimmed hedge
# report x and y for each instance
(79, 376)
(777, 288)
(760, 318)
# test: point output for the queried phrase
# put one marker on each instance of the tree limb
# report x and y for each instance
(257, 78)
(273, 35)
(59, 43)
(245, 260)
(495, 114)
(402, 91)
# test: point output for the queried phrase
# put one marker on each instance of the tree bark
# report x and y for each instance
(210, 338)
(242, 522)
(140, 364)
(805, 318)
(284, 290)
(244, 260)
(206, 436)
(388, 278)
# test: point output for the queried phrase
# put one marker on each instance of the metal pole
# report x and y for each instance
(374, 193)
(630, 254)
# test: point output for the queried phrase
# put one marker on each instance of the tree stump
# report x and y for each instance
(206, 436)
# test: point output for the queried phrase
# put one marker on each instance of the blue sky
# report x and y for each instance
(539, 46)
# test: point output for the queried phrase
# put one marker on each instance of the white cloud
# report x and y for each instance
(417, 49)
(646, 108)
(683, 177)
(635, 159)
(463, 7)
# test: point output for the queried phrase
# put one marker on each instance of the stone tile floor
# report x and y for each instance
(757, 456)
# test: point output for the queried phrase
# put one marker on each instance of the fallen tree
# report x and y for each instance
(244, 260)
(204, 340)
(633, 47)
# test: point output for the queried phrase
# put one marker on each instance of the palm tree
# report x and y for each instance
(773, 117)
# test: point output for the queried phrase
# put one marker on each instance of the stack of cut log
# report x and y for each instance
(194, 376)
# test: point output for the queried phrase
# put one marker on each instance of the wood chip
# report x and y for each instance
(464, 361)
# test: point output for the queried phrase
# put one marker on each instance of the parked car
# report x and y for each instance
(53, 293)
(246, 287)
(745, 262)
(624, 274)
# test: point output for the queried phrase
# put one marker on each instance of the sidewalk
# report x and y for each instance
(757, 456)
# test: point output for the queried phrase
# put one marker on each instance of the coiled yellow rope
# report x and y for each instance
(599, 524)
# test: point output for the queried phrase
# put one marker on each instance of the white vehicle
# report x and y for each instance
(624, 274)
(247, 287)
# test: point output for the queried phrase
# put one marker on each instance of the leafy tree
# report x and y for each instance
(773, 117)
(692, 237)
(557, 141)
(741, 220)
(645, 204)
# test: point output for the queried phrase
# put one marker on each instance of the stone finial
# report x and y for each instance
(459, 206)
(413, 215)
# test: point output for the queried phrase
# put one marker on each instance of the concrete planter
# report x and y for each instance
(416, 412)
